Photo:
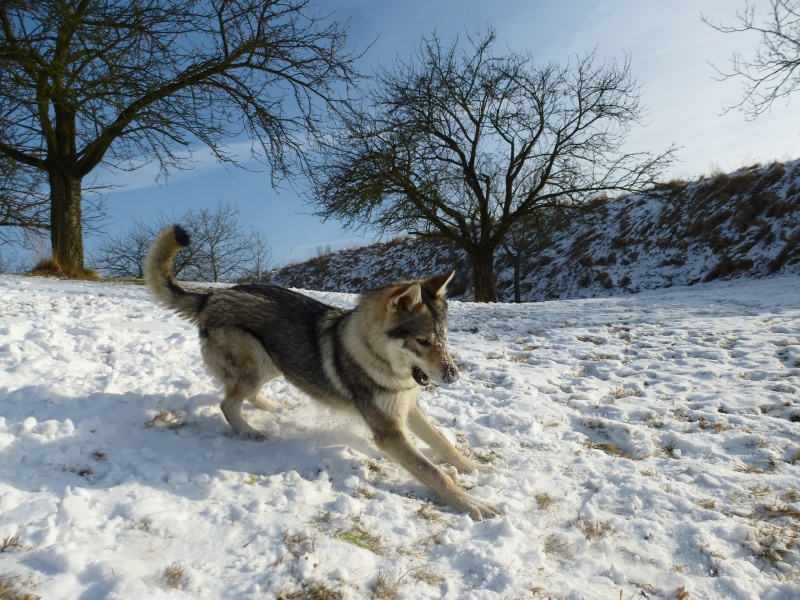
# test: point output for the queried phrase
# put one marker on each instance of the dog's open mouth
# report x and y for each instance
(420, 376)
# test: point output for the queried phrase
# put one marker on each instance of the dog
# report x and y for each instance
(371, 359)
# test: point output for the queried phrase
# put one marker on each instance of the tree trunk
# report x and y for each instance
(66, 233)
(483, 275)
(517, 267)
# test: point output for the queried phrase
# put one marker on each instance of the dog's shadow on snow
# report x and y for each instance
(183, 445)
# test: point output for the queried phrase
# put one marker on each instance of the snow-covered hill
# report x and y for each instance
(645, 446)
(746, 224)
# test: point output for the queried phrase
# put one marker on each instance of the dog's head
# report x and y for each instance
(416, 321)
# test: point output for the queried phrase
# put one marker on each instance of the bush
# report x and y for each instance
(791, 248)
(49, 267)
(727, 267)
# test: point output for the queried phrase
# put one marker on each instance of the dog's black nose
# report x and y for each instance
(450, 375)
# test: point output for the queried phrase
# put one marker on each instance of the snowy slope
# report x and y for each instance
(740, 225)
(646, 446)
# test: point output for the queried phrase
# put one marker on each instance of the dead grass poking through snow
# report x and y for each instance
(175, 575)
(9, 543)
(609, 448)
(311, 590)
(384, 588)
(9, 590)
(422, 574)
(359, 536)
(544, 500)
(682, 593)
(167, 420)
(556, 545)
(298, 544)
(594, 530)
(429, 513)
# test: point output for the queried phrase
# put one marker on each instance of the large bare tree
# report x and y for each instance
(773, 71)
(463, 144)
(118, 82)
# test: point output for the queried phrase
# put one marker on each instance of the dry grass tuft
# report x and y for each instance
(422, 574)
(682, 593)
(175, 576)
(609, 448)
(298, 544)
(556, 545)
(10, 591)
(429, 513)
(773, 544)
(707, 503)
(544, 500)
(49, 267)
(593, 530)
(360, 536)
(312, 590)
(9, 543)
(168, 420)
(384, 588)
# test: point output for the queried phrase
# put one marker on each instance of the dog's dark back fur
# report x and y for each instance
(291, 327)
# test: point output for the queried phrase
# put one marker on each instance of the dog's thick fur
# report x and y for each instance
(370, 359)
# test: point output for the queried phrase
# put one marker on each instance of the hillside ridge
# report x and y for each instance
(743, 224)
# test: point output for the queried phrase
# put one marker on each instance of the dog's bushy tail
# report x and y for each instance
(160, 278)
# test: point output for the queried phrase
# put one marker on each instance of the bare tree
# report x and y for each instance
(122, 256)
(220, 250)
(773, 72)
(23, 204)
(463, 145)
(261, 256)
(85, 83)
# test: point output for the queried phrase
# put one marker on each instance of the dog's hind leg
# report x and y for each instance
(261, 402)
(240, 362)
(231, 407)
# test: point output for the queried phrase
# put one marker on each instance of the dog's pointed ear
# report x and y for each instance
(406, 299)
(437, 286)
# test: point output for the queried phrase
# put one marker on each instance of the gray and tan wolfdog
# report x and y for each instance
(371, 359)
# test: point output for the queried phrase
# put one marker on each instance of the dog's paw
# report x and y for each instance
(486, 468)
(251, 434)
(476, 508)
(465, 465)
(485, 510)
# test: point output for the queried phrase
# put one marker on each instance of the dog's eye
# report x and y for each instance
(423, 342)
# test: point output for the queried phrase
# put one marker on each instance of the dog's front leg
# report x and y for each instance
(422, 427)
(394, 441)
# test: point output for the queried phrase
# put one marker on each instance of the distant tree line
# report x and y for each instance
(221, 249)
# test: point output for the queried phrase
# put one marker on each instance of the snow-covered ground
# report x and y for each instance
(646, 447)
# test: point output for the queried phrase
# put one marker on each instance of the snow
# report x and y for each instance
(644, 445)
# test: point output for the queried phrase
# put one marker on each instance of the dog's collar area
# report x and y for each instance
(420, 376)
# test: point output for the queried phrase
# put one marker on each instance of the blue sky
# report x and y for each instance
(670, 50)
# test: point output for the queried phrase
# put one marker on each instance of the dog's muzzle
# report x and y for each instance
(420, 376)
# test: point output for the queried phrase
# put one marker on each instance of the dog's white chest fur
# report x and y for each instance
(397, 404)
